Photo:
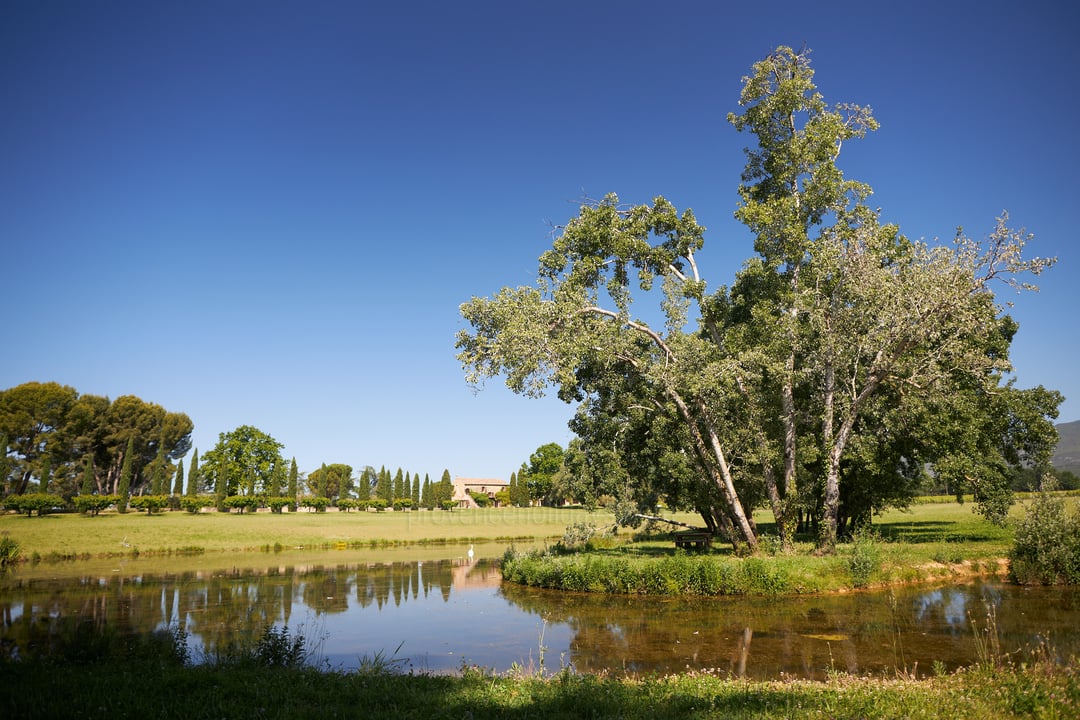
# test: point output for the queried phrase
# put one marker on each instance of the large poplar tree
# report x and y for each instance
(808, 384)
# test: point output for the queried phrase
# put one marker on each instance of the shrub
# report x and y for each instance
(242, 503)
(447, 504)
(379, 504)
(865, 558)
(481, 499)
(577, 535)
(346, 504)
(41, 502)
(1046, 549)
(93, 504)
(10, 552)
(194, 503)
(402, 503)
(318, 504)
(150, 503)
(277, 504)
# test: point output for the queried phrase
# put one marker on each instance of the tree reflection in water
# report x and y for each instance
(448, 612)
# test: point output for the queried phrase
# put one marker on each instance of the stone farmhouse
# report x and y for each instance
(486, 486)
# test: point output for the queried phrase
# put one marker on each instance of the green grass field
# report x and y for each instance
(934, 531)
(73, 535)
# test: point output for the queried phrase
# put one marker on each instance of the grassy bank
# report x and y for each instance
(934, 541)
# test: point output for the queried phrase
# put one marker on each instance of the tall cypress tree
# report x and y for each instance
(399, 485)
(125, 477)
(276, 477)
(46, 472)
(178, 479)
(88, 475)
(220, 487)
(416, 491)
(363, 490)
(193, 475)
(426, 499)
(445, 489)
(293, 475)
(384, 488)
(158, 479)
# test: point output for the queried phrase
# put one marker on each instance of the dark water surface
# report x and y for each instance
(440, 613)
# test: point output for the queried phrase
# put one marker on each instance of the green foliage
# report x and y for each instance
(195, 503)
(536, 480)
(318, 504)
(193, 480)
(93, 504)
(347, 504)
(443, 492)
(403, 503)
(242, 503)
(1046, 549)
(242, 462)
(124, 491)
(10, 552)
(150, 503)
(384, 487)
(331, 481)
(577, 535)
(29, 503)
(293, 485)
(864, 558)
(677, 574)
(378, 504)
(481, 499)
(842, 361)
(278, 503)
(178, 479)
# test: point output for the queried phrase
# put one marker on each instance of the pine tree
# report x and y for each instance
(88, 475)
(293, 478)
(125, 477)
(193, 475)
(178, 479)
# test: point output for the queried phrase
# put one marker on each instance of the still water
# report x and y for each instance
(442, 612)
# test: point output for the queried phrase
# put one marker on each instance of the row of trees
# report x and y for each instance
(60, 446)
(842, 364)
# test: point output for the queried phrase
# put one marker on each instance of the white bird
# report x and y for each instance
(470, 553)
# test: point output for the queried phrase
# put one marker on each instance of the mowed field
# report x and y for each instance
(71, 535)
(74, 535)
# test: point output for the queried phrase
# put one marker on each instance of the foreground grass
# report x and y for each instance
(31, 690)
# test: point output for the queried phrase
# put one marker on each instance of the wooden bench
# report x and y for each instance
(693, 539)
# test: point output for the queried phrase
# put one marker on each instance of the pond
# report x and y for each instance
(435, 610)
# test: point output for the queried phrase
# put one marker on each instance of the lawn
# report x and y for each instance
(73, 535)
(928, 532)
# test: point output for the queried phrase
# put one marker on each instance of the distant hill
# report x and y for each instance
(1067, 454)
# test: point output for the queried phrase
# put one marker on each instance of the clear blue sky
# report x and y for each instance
(268, 213)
